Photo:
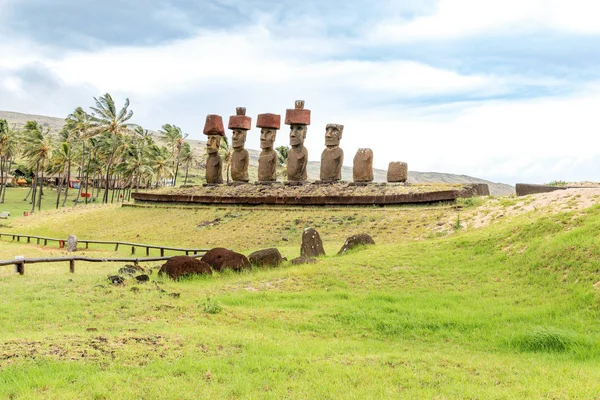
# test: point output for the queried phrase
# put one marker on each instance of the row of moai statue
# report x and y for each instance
(298, 119)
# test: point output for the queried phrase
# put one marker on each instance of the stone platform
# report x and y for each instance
(309, 194)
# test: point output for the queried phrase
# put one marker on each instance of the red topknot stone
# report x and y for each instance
(240, 121)
(214, 125)
(298, 116)
(271, 121)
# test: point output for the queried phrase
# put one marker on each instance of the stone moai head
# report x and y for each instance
(298, 119)
(213, 128)
(269, 124)
(333, 135)
(239, 124)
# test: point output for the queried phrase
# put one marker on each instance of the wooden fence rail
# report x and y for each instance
(20, 262)
(61, 244)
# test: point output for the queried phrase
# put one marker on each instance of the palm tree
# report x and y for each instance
(175, 138)
(59, 165)
(105, 120)
(75, 128)
(38, 150)
(8, 150)
(282, 156)
(187, 158)
(160, 163)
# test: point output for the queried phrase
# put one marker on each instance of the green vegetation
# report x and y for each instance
(507, 311)
(558, 183)
(102, 150)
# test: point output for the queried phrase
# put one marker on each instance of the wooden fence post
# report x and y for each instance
(117, 247)
(147, 251)
(72, 266)
(28, 239)
(21, 268)
(162, 252)
(45, 242)
(132, 249)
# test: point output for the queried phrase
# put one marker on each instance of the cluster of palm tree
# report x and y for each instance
(102, 148)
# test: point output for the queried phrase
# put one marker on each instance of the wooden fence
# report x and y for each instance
(61, 244)
(20, 262)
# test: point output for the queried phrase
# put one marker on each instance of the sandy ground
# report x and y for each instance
(551, 203)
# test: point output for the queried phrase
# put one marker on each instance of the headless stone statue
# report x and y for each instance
(298, 119)
(363, 166)
(240, 124)
(213, 128)
(267, 162)
(332, 157)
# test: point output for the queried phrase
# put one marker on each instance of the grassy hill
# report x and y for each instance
(496, 189)
(495, 298)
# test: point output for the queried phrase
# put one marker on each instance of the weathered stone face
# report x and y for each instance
(362, 170)
(238, 138)
(397, 172)
(332, 157)
(213, 143)
(297, 135)
(333, 134)
(296, 164)
(72, 243)
(267, 165)
(267, 138)
(214, 169)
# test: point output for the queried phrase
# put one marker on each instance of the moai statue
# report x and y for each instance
(298, 119)
(363, 166)
(397, 172)
(213, 128)
(332, 157)
(269, 124)
(240, 124)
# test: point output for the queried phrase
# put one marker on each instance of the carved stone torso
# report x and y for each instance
(239, 165)
(267, 166)
(296, 165)
(214, 170)
(331, 164)
(363, 166)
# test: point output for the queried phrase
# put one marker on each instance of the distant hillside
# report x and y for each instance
(496, 189)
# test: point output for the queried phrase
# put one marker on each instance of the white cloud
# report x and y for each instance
(457, 18)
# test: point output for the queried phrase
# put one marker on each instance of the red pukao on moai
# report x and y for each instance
(269, 124)
(298, 119)
(213, 128)
(240, 124)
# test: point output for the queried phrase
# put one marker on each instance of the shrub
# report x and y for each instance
(544, 340)
(212, 306)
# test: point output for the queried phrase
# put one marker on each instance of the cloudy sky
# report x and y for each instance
(503, 90)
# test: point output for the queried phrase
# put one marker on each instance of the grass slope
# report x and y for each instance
(507, 311)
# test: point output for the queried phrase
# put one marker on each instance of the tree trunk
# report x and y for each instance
(33, 195)
(4, 191)
(176, 172)
(41, 191)
(68, 178)
(2, 181)
(60, 184)
(187, 167)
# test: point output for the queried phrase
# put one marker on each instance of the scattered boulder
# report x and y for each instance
(116, 279)
(267, 257)
(352, 242)
(142, 278)
(72, 243)
(180, 266)
(127, 270)
(304, 260)
(220, 259)
(312, 245)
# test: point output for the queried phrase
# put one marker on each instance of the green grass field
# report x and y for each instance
(506, 311)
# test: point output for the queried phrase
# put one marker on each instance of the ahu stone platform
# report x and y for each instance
(309, 194)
